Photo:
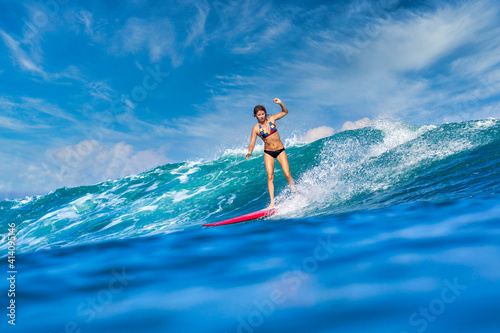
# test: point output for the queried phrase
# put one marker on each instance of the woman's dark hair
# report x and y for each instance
(258, 108)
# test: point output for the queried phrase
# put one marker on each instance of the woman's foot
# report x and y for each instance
(271, 206)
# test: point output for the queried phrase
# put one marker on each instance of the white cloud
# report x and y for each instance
(419, 41)
(478, 64)
(196, 25)
(83, 20)
(391, 76)
(318, 133)
(86, 18)
(100, 90)
(156, 36)
(391, 73)
(349, 125)
(31, 61)
(249, 26)
(17, 125)
(326, 131)
(89, 162)
(160, 37)
(26, 113)
(19, 55)
(40, 105)
(233, 80)
(254, 43)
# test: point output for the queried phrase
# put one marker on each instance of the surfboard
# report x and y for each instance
(243, 218)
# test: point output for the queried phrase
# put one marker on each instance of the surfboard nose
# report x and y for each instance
(243, 218)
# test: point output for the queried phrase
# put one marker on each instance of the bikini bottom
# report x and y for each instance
(274, 153)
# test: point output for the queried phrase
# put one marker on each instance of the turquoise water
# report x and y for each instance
(395, 228)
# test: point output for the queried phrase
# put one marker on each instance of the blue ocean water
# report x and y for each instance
(395, 228)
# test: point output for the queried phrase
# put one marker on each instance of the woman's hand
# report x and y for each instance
(277, 101)
(247, 156)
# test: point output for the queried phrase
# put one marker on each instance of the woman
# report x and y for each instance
(273, 147)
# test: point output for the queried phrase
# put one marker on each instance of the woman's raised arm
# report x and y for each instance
(284, 110)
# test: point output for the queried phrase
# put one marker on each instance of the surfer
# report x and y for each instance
(273, 147)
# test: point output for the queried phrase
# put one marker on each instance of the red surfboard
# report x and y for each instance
(243, 218)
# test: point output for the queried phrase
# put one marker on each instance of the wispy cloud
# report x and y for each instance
(27, 63)
(27, 113)
(93, 26)
(86, 18)
(417, 41)
(100, 90)
(391, 76)
(391, 73)
(16, 124)
(40, 105)
(157, 37)
(196, 33)
(20, 57)
(249, 26)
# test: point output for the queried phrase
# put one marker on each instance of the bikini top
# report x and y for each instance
(264, 134)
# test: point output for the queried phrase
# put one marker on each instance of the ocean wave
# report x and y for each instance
(387, 164)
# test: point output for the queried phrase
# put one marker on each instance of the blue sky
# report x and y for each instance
(96, 90)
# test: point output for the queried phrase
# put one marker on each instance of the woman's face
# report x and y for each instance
(261, 115)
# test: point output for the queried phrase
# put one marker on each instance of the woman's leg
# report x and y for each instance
(283, 160)
(269, 162)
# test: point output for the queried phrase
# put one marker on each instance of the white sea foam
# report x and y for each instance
(185, 170)
(151, 208)
(184, 194)
(350, 167)
(486, 123)
(296, 140)
(152, 187)
(114, 222)
(24, 201)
